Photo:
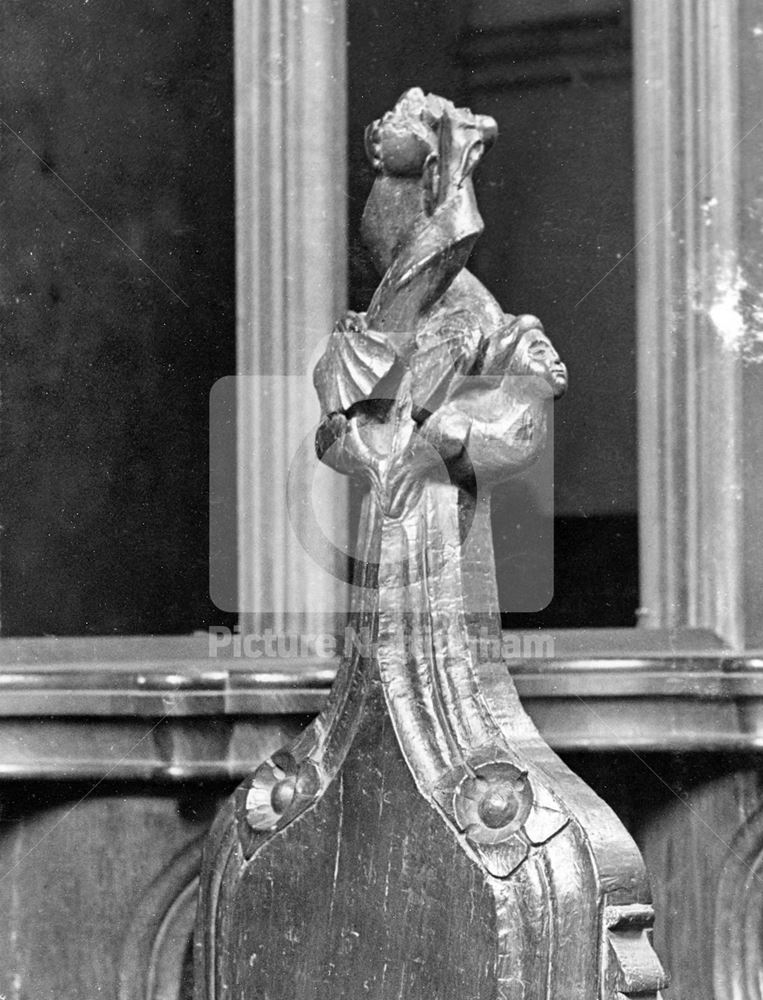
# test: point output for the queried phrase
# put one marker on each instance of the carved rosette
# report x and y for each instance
(501, 812)
(280, 789)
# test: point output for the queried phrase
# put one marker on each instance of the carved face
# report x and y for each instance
(536, 355)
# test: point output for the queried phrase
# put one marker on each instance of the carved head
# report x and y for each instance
(424, 152)
(426, 132)
(536, 355)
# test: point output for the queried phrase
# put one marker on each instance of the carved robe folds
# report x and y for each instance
(420, 840)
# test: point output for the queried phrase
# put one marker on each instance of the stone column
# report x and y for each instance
(699, 145)
(291, 278)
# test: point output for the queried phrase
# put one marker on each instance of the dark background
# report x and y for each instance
(556, 194)
(105, 373)
(106, 367)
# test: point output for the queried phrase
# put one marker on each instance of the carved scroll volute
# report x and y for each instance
(420, 839)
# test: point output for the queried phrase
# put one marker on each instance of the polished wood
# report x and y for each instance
(702, 849)
(511, 876)
(698, 821)
(208, 719)
(696, 817)
(619, 700)
(602, 691)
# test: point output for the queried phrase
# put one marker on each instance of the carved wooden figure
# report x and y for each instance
(420, 840)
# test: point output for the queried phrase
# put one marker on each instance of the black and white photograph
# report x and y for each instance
(381, 500)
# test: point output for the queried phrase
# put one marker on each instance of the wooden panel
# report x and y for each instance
(166, 709)
(95, 882)
(394, 925)
(76, 872)
(698, 820)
